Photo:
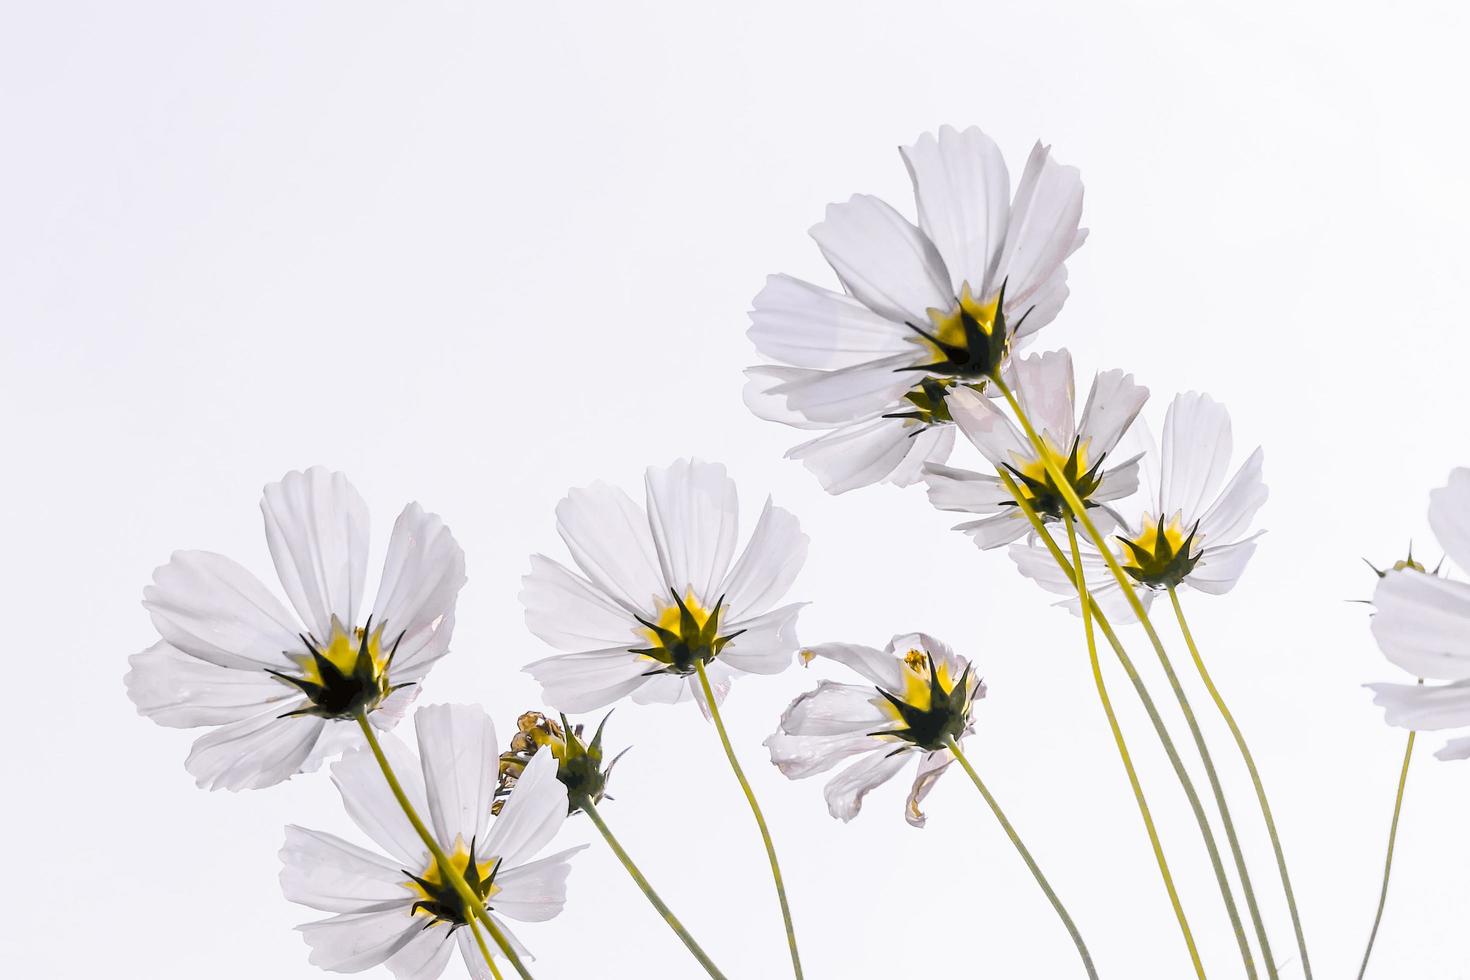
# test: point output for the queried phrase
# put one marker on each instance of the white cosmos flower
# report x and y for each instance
(920, 693)
(1188, 526)
(658, 591)
(396, 909)
(918, 313)
(1422, 624)
(280, 690)
(1045, 389)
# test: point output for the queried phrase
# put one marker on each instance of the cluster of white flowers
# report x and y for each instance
(662, 603)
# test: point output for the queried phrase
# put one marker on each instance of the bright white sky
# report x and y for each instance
(475, 256)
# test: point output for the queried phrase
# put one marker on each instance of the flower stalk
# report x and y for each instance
(1393, 832)
(755, 808)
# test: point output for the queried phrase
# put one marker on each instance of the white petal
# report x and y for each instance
(608, 537)
(1423, 624)
(180, 691)
(932, 444)
(324, 872)
(954, 489)
(987, 426)
(1047, 392)
(848, 394)
(996, 530)
(564, 610)
(764, 389)
(807, 326)
(931, 767)
(1231, 514)
(694, 513)
(425, 955)
(1195, 453)
(845, 793)
(1424, 707)
(767, 643)
(878, 666)
(1220, 568)
(422, 575)
(769, 564)
(537, 891)
(883, 261)
(1454, 749)
(475, 962)
(857, 455)
(372, 806)
(255, 752)
(1043, 230)
(211, 608)
(1449, 516)
(578, 682)
(1112, 405)
(962, 190)
(354, 942)
(837, 709)
(532, 815)
(316, 524)
(460, 759)
(1044, 304)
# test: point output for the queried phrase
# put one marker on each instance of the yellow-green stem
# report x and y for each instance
(1079, 509)
(1126, 662)
(484, 950)
(755, 808)
(1393, 832)
(1250, 764)
(446, 868)
(1079, 578)
(1005, 825)
(587, 807)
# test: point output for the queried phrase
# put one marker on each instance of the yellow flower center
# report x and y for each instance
(439, 900)
(949, 325)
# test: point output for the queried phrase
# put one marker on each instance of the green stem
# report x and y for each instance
(585, 804)
(1075, 504)
(446, 869)
(1250, 764)
(755, 808)
(1080, 580)
(1005, 824)
(484, 950)
(1393, 832)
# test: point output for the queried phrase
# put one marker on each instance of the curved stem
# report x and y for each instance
(1393, 832)
(446, 868)
(755, 808)
(1005, 824)
(1075, 504)
(1162, 732)
(1080, 579)
(1250, 764)
(585, 804)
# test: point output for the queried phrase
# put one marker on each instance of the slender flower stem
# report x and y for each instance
(1080, 579)
(755, 808)
(446, 868)
(1005, 825)
(1075, 504)
(1393, 832)
(484, 950)
(1250, 764)
(1160, 730)
(586, 805)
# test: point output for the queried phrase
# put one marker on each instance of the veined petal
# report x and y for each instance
(1112, 405)
(532, 815)
(255, 752)
(862, 454)
(566, 611)
(807, 326)
(931, 767)
(1194, 453)
(962, 191)
(932, 443)
(996, 530)
(1043, 230)
(845, 792)
(848, 394)
(878, 666)
(372, 806)
(987, 427)
(954, 489)
(578, 682)
(424, 956)
(1423, 624)
(1449, 516)
(180, 691)
(324, 872)
(836, 709)
(767, 643)
(1231, 513)
(886, 263)
(1046, 390)
(694, 515)
(422, 575)
(1424, 707)
(763, 394)
(1220, 568)
(475, 963)
(460, 757)
(211, 608)
(537, 891)
(608, 537)
(357, 941)
(316, 524)
(769, 564)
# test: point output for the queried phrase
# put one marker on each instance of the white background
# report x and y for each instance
(474, 255)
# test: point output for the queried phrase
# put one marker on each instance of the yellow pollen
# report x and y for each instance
(341, 650)
(1149, 540)
(459, 859)
(949, 326)
(669, 616)
(916, 690)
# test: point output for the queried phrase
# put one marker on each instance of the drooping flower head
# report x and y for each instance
(579, 763)
(658, 592)
(920, 695)
(1422, 624)
(397, 910)
(1188, 526)
(1083, 447)
(280, 691)
(924, 310)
